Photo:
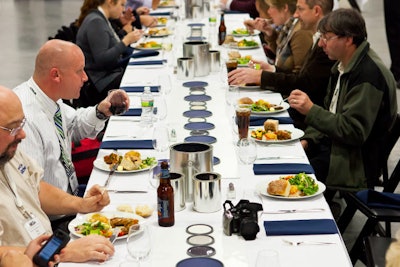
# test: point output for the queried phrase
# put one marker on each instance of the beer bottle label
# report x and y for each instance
(163, 208)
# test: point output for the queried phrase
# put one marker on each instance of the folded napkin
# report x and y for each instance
(139, 89)
(301, 227)
(259, 120)
(127, 144)
(383, 200)
(146, 62)
(133, 112)
(159, 13)
(145, 53)
(282, 168)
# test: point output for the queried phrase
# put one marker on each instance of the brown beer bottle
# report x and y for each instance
(221, 30)
(165, 198)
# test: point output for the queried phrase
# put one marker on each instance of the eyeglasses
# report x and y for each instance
(15, 131)
(326, 39)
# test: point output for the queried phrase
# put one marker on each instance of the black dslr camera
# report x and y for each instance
(241, 219)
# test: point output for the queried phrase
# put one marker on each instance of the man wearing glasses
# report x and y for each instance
(27, 200)
(313, 76)
(345, 138)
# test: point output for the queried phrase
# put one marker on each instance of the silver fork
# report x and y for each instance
(298, 243)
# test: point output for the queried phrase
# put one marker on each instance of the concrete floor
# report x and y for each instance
(28, 23)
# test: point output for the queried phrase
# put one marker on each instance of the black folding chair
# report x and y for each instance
(375, 249)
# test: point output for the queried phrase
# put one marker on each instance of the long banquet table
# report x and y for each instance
(169, 244)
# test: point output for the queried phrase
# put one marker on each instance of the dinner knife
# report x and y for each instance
(293, 211)
(280, 157)
(110, 174)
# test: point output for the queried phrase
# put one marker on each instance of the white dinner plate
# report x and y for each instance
(284, 105)
(147, 48)
(248, 47)
(262, 189)
(256, 32)
(81, 219)
(296, 134)
(101, 165)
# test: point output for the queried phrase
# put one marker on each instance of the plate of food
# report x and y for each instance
(247, 44)
(242, 32)
(131, 162)
(167, 3)
(151, 45)
(243, 61)
(162, 21)
(104, 224)
(263, 107)
(275, 136)
(158, 32)
(291, 187)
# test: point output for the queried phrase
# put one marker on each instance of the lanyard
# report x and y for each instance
(17, 200)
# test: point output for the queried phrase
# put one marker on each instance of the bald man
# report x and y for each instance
(26, 199)
(52, 125)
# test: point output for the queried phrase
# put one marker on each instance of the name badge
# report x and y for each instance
(34, 228)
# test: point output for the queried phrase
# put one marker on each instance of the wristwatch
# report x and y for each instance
(100, 115)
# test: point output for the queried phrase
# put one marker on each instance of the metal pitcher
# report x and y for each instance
(190, 158)
(201, 55)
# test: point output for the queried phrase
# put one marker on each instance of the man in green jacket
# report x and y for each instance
(345, 139)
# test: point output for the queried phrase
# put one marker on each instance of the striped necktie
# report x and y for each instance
(65, 160)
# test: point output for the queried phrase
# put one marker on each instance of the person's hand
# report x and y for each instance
(148, 21)
(143, 10)
(250, 25)
(127, 17)
(104, 106)
(300, 101)
(263, 65)
(222, 4)
(14, 258)
(304, 143)
(242, 76)
(95, 200)
(88, 248)
(264, 25)
(35, 245)
(132, 37)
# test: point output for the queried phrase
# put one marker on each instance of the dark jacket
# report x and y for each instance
(366, 110)
(312, 79)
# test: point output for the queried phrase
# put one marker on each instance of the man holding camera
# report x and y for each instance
(27, 200)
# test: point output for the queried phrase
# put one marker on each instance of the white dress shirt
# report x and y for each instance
(41, 142)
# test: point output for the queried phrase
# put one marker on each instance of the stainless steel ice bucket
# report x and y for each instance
(201, 55)
(178, 183)
(207, 192)
(197, 9)
(191, 158)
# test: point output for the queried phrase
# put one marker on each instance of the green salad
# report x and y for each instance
(304, 183)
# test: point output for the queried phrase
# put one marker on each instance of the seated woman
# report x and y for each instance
(102, 47)
(285, 36)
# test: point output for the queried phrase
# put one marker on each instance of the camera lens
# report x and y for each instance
(249, 229)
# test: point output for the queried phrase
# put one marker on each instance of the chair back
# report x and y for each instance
(392, 139)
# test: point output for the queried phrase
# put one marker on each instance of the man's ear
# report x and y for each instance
(55, 74)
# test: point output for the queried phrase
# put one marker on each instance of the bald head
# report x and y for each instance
(10, 106)
(55, 54)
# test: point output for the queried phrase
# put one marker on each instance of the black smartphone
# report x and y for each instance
(54, 244)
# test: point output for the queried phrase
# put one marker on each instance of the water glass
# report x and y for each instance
(247, 150)
(232, 94)
(164, 81)
(160, 138)
(160, 108)
(139, 242)
(267, 257)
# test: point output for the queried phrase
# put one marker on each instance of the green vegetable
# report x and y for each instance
(148, 162)
(304, 183)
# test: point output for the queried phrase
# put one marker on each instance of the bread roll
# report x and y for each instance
(125, 208)
(271, 125)
(143, 210)
(279, 187)
(245, 100)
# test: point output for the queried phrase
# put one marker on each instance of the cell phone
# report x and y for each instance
(54, 244)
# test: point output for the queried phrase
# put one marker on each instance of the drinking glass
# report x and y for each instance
(232, 94)
(139, 242)
(160, 108)
(164, 81)
(243, 120)
(117, 100)
(267, 257)
(160, 138)
(247, 151)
